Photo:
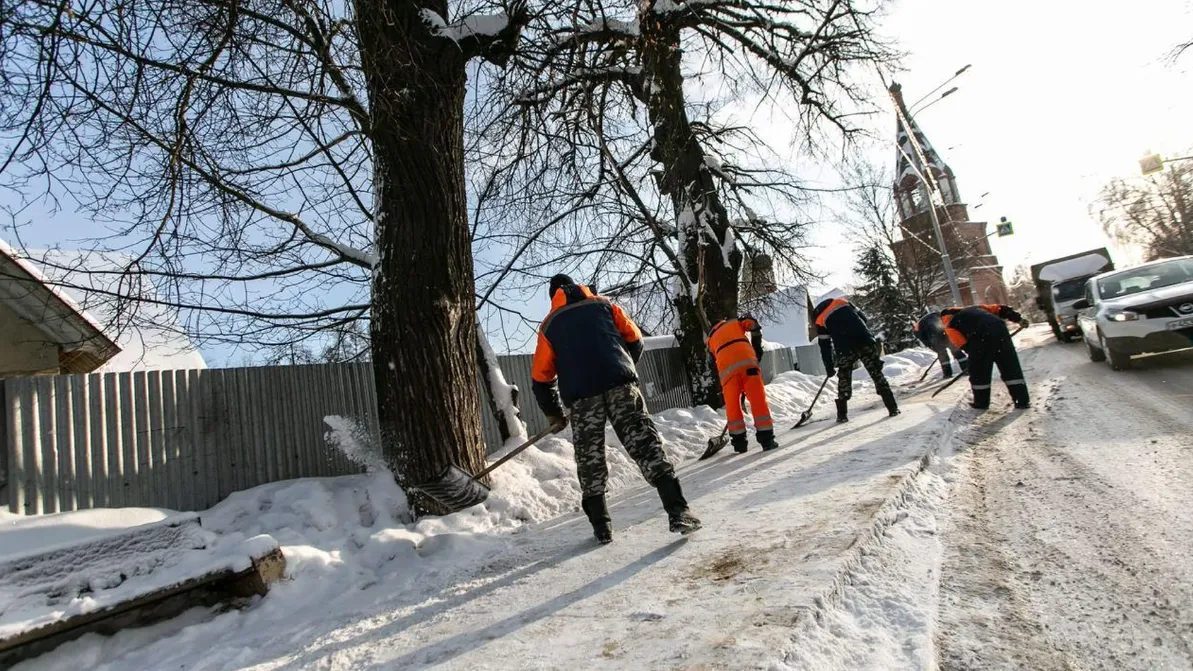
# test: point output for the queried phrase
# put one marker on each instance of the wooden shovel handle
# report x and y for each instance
(515, 452)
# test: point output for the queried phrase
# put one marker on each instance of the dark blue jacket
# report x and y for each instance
(586, 346)
(842, 326)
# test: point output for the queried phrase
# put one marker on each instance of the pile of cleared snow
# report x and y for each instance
(20, 534)
(75, 563)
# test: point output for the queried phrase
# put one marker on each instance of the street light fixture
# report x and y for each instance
(942, 97)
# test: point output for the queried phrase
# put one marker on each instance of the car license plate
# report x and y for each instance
(1180, 324)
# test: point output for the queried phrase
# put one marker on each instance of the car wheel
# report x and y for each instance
(1095, 354)
(1117, 360)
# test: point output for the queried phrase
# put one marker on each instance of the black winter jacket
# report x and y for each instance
(840, 325)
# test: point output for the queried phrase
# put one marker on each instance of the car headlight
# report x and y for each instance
(1123, 316)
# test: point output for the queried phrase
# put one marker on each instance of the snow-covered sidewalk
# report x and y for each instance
(518, 582)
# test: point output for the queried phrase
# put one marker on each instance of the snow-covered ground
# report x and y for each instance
(1055, 538)
(518, 583)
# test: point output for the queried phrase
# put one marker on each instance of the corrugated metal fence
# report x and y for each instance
(186, 439)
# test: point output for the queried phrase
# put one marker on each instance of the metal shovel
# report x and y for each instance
(456, 489)
(807, 414)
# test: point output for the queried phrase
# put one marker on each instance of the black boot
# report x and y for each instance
(888, 399)
(981, 399)
(739, 442)
(678, 517)
(842, 411)
(766, 438)
(1019, 396)
(598, 514)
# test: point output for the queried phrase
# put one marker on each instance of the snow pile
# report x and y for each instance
(45, 580)
(886, 617)
(21, 534)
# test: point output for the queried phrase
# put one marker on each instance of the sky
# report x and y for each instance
(1061, 97)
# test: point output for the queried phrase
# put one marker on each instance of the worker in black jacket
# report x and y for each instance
(930, 331)
(841, 326)
(980, 331)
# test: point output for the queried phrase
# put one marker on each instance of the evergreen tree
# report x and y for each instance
(879, 296)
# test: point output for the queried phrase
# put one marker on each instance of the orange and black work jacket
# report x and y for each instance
(842, 326)
(978, 328)
(586, 344)
(736, 344)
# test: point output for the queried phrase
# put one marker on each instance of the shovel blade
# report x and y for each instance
(803, 418)
(714, 445)
(454, 489)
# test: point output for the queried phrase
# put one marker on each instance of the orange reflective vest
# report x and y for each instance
(730, 344)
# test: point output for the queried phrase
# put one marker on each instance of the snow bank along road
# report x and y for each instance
(1068, 541)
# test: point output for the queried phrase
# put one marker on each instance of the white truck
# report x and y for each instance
(1061, 282)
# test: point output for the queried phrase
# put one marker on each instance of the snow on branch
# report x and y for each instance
(671, 6)
(487, 25)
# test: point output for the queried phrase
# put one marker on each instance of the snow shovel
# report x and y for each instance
(807, 414)
(455, 489)
(928, 369)
(948, 384)
(717, 444)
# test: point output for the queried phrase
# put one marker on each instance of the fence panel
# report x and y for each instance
(185, 439)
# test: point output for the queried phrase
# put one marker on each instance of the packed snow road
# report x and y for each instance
(1068, 532)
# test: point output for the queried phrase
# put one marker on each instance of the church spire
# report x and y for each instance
(910, 193)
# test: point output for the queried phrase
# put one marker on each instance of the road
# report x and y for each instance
(1068, 536)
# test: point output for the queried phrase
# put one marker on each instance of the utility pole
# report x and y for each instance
(934, 196)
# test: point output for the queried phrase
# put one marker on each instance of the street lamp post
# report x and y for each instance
(934, 196)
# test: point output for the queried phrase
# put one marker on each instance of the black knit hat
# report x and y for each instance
(558, 281)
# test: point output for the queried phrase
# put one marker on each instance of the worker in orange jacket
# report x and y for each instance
(980, 332)
(737, 346)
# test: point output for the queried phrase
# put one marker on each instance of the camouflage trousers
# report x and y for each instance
(869, 355)
(625, 407)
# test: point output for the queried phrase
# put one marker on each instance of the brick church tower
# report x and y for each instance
(979, 275)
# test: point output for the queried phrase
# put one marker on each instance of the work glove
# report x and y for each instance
(831, 371)
(558, 423)
(1024, 323)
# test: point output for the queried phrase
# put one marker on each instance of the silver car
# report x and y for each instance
(1145, 309)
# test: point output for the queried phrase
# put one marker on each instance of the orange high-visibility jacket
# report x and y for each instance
(730, 342)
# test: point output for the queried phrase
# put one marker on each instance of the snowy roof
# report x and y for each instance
(25, 290)
(92, 280)
(789, 325)
(1082, 266)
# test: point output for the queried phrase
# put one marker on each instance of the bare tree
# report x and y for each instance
(1155, 213)
(276, 169)
(665, 187)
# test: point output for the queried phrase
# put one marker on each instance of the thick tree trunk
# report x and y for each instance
(424, 330)
(706, 248)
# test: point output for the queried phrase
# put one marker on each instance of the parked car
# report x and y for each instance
(1145, 309)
